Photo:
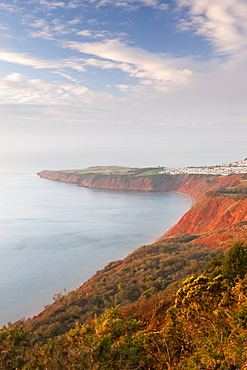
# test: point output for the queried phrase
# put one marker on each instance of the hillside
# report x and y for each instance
(203, 324)
(217, 220)
(137, 313)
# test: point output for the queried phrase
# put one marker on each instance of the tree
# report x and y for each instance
(235, 262)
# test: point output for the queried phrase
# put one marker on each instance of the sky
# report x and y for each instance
(124, 82)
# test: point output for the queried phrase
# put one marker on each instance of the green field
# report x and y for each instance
(154, 171)
(117, 170)
(104, 170)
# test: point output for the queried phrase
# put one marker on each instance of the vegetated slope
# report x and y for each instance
(204, 324)
(147, 271)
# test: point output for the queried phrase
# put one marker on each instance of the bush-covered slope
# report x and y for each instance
(203, 324)
(147, 271)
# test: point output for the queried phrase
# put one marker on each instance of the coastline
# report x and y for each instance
(193, 202)
(204, 221)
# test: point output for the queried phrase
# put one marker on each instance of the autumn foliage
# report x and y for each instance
(202, 322)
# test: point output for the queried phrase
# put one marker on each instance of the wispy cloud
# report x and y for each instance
(148, 67)
(102, 34)
(65, 75)
(132, 4)
(36, 63)
(223, 23)
(128, 4)
(9, 7)
(16, 88)
(52, 4)
(85, 33)
(49, 30)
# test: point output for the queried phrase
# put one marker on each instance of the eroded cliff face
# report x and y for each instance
(198, 185)
(216, 220)
(194, 185)
(98, 181)
(212, 213)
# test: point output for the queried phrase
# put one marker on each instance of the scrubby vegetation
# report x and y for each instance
(238, 189)
(147, 271)
(203, 321)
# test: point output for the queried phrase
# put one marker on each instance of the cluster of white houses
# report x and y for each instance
(223, 169)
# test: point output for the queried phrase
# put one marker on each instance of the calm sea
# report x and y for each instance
(54, 236)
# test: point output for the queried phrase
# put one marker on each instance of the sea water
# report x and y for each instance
(54, 236)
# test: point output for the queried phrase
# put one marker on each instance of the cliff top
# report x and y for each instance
(238, 167)
(115, 170)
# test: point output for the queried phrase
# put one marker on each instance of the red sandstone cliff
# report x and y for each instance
(194, 185)
(218, 221)
(98, 181)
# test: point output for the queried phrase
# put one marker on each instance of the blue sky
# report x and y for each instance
(143, 82)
